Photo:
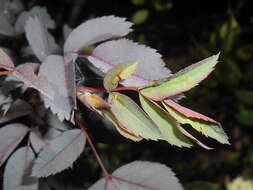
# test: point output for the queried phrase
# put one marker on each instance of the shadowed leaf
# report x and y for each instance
(18, 169)
(182, 81)
(6, 28)
(59, 154)
(10, 136)
(18, 109)
(40, 12)
(132, 118)
(167, 125)
(151, 66)
(203, 124)
(38, 140)
(118, 73)
(140, 175)
(96, 30)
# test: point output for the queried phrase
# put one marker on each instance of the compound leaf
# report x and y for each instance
(17, 171)
(151, 66)
(140, 175)
(203, 124)
(182, 81)
(96, 30)
(167, 125)
(118, 73)
(59, 154)
(132, 118)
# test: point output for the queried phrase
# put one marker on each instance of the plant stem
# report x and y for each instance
(89, 89)
(5, 72)
(107, 175)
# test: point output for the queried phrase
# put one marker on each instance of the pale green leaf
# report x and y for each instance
(207, 128)
(118, 73)
(166, 124)
(120, 129)
(182, 81)
(132, 118)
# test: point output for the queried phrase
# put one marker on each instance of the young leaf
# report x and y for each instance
(118, 73)
(18, 109)
(52, 159)
(63, 85)
(203, 124)
(140, 175)
(92, 100)
(38, 141)
(10, 136)
(151, 66)
(120, 129)
(41, 42)
(182, 81)
(96, 30)
(26, 73)
(132, 118)
(17, 171)
(167, 125)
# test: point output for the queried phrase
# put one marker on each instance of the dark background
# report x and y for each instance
(183, 32)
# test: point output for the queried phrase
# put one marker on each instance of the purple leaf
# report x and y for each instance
(151, 66)
(10, 136)
(18, 169)
(25, 73)
(38, 141)
(40, 12)
(63, 84)
(187, 112)
(41, 42)
(18, 109)
(96, 30)
(5, 61)
(140, 175)
(59, 154)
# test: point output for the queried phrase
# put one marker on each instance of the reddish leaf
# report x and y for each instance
(59, 154)
(41, 42)
(187, 112)
(10, 136)
(96, 30)
(151, 66)
(140, 175)
(25, 73)
(18, 169)
(63, 85)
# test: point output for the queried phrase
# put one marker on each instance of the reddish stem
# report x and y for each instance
(89, 89)
(5, 72)
(107, 175)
